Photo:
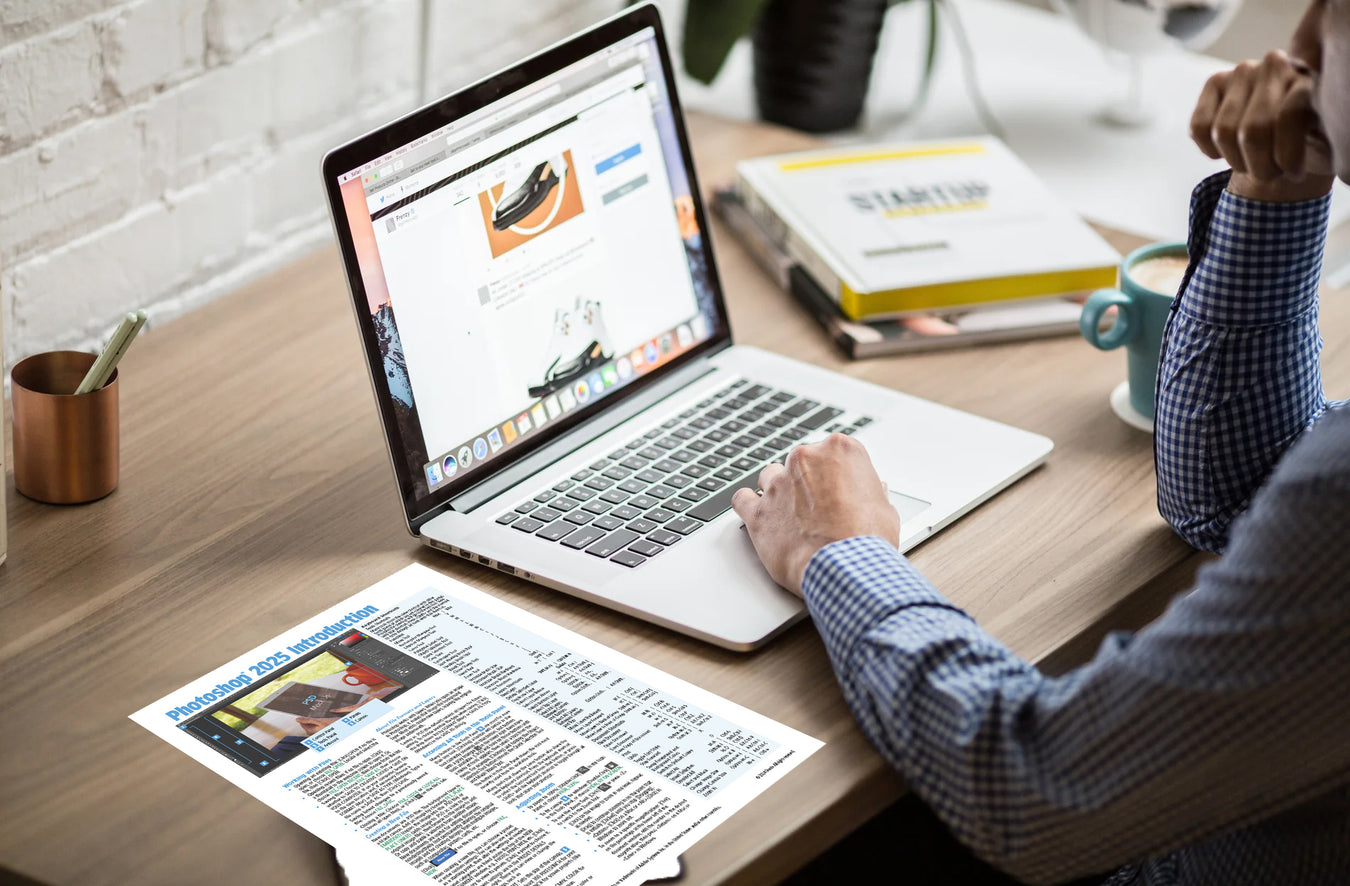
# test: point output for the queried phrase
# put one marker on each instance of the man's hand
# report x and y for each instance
(1260, 118)
(825, 492)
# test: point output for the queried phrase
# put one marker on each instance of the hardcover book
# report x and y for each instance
(887, 231)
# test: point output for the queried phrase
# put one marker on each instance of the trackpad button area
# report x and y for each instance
(908, 506)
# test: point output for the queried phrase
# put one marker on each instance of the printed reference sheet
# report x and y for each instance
(426, 729)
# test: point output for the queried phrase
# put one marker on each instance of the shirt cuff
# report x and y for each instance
(851, 586)
(1253, 263)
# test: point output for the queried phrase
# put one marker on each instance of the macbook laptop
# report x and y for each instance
(534, 285)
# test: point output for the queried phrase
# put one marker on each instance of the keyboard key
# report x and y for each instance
(745, 440)
(635, 463)
(736, 403)
(693, 493)
(782, 397)
(704, 404)
(712, 484)
(545, 496)
(719, 413)
(526, 507)
(648, 475)
(801, 407)
(599, 484)
(618, 473)
(794, 433)
(862, 422)
(670, 423)
(599, 465)
(684, 455)
(760, 454)
(779, 421)
(624, 512)
(738, 383)
(633, 486)
(659, 515)
(732, 427)
(583, 537)
(696, 471)
(718, 503)
(562, 486)
(656, 432)
(754, 392)
(580, 518)
(728, 473)
(607, 522)
(564, 504)
(778, 443)
(717, 436)
(614, 496)
(596, 506)
(652, 453)
(581, 475)
(730, 450)
(683, 525)
(679, 481)
(744, 464)
(684, 433)
(510, 517)
(642, 502)
(632, 445)
(664, 536)
(527, 524)
(628, 558)
(712, 461)
(676, 504)
(646, 548)
(689, 413)
(701, 445)
(702, 423)
(670, 442)
(615, 541)
(556, 530)
(618, 454)
(759, 432)
(819, 418)
(661, 490)
(546, 515)
(642, 525)
(666, 465)
(581, 493)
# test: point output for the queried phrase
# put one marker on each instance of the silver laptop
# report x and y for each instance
(533, 280)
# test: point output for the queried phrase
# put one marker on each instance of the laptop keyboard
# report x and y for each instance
(664, 484)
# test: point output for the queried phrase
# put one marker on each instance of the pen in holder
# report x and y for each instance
(65, 444)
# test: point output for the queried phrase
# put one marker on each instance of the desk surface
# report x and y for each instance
(255, 491)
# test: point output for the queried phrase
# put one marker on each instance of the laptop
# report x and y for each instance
(534, 285)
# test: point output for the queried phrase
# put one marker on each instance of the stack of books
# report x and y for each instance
(918, 246)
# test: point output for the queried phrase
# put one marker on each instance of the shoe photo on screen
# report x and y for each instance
(579, 344)
(520, 197)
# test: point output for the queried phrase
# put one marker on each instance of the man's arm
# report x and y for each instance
(1239, 377)
(1224, 711)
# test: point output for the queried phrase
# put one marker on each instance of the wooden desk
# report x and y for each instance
(255, 491)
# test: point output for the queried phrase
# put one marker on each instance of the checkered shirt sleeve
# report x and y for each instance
(1239, 378)
(1212, 747)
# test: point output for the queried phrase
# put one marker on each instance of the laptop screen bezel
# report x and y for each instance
(355, 154)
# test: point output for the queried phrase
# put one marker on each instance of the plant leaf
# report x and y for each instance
(711, 28)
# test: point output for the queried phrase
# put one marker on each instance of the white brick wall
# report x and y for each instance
(159, 153)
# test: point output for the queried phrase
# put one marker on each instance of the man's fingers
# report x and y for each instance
(1258, 128)
(1228, 118)
(746, 505)
(1294, 121)
(766, 476)
(1202, 119)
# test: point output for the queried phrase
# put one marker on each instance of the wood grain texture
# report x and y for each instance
(256, 491)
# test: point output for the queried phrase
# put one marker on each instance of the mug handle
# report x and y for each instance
(353, 681)
(1124, 331)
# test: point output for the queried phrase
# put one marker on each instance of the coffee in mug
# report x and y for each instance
(1149, 280)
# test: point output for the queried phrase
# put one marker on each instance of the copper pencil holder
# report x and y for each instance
(65, 445)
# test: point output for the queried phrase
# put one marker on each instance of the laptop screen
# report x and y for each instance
(525, 263)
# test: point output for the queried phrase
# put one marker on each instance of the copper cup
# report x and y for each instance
(65, 445)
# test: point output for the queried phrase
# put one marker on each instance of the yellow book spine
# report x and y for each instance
(959, 293)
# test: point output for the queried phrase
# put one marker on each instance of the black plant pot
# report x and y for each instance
(813, 59)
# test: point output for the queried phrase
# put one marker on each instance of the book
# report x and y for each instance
(1025, 319)
(308, 699)
(892, 230)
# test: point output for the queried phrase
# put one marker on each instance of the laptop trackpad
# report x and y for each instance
(908, 506)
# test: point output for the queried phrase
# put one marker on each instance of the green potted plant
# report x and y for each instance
(812, 58)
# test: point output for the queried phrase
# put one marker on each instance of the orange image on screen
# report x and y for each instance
(537, 199)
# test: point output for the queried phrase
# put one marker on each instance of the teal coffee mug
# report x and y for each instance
(1149, 280)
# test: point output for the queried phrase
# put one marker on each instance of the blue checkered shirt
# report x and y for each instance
(1212, 747)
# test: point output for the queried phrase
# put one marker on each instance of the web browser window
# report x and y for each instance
(530, 259)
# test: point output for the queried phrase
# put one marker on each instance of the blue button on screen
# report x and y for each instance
(609, 163)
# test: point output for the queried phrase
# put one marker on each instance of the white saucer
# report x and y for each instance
(1120, 405)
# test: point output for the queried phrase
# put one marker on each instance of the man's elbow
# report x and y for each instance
(1202, 529)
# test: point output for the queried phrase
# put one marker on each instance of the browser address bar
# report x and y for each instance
(493, 119)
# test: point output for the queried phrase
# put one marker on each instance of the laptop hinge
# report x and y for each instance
(573, 440)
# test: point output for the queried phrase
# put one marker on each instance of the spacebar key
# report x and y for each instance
(711, 507)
